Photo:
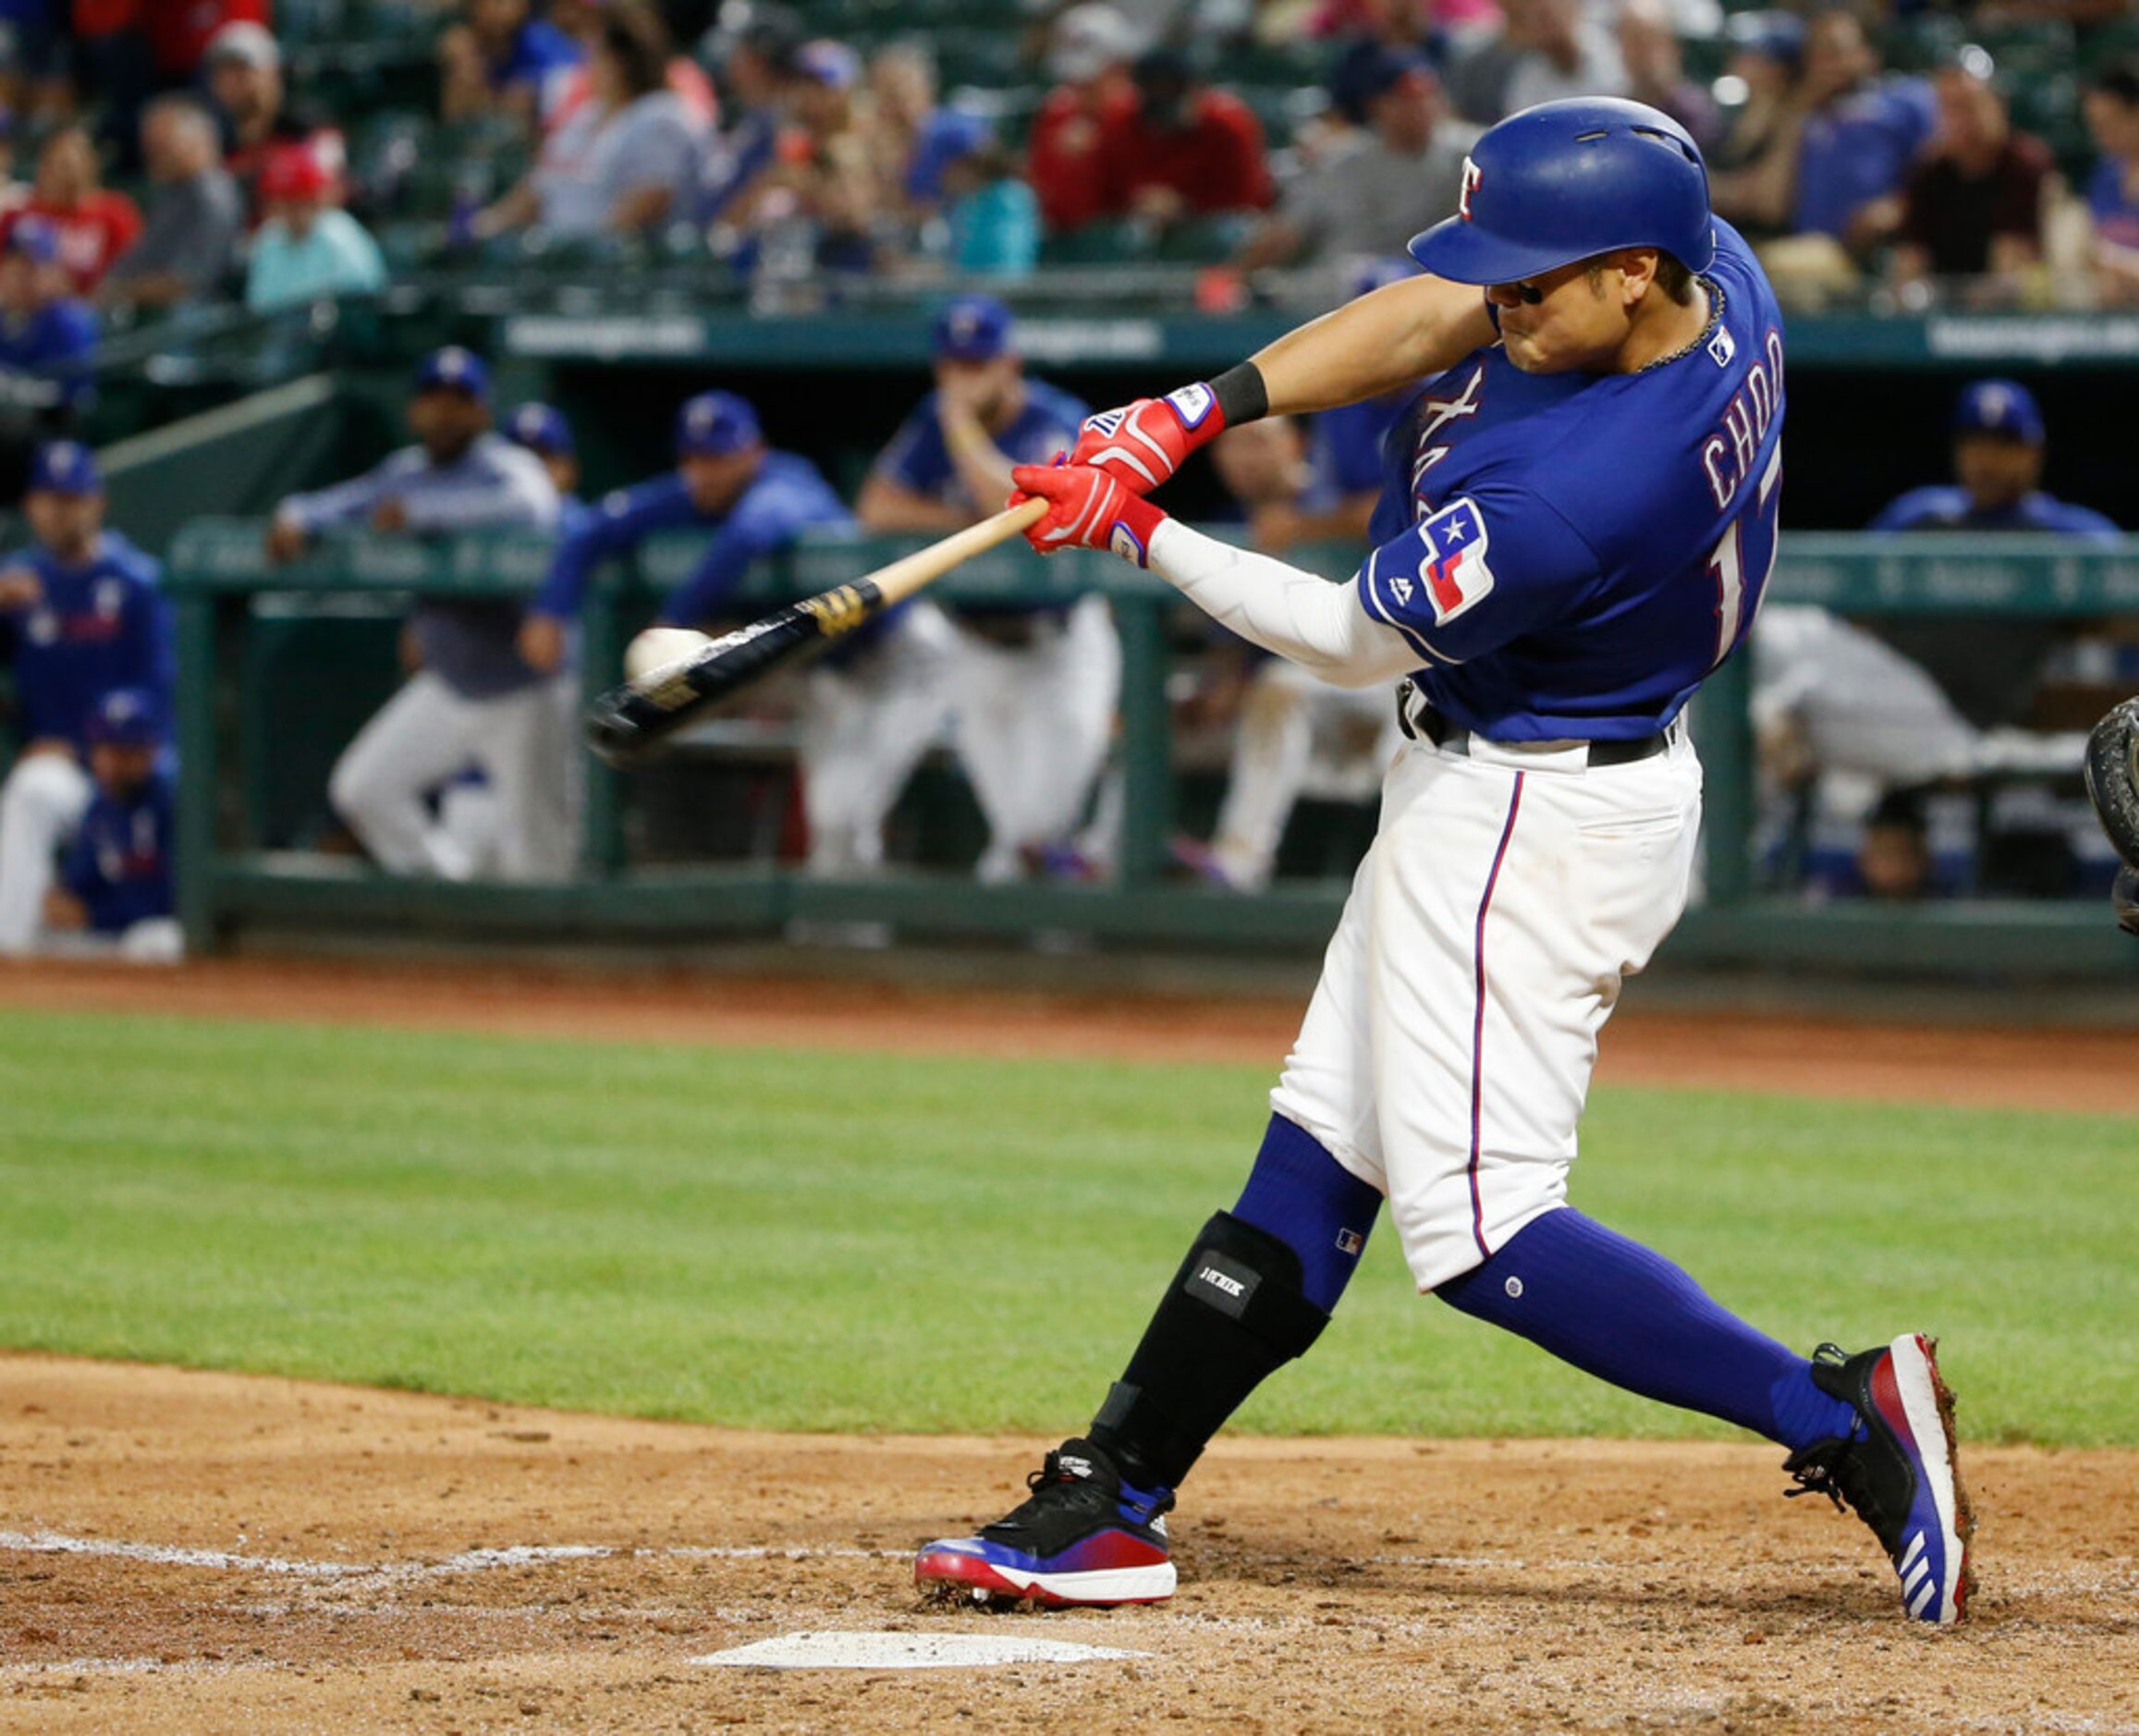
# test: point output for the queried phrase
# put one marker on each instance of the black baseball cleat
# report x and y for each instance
(1903, 1476)
(1083, 1537)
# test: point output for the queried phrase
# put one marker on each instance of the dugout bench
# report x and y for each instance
(237, 709)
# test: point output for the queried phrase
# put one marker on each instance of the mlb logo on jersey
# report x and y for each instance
(1452, 565)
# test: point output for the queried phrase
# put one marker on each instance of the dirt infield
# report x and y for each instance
(2078, 1069)
(192, 1552)
(189, 1552)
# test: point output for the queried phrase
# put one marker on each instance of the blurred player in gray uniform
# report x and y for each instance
(1031, 689)
(471, 696)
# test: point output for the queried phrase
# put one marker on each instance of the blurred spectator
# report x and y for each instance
(1989, 665)
(81, 616)
(116, 69)
(826, 175)
(1031, 687)
(117, 892)
(48, 344)
(94, 225)
(543, 430)
(1975, 201)
(993, 218)
(628, 159)
(587, 22)
(501, 60)
(1369, 199)
(35, 37)
(1862, 133)
(1184, 149)
(1088, 58)
(1753, 167)
(2112, 109)
(1655, 65)
(13, 191)
(189, 245)
(470, 695)
(1547, 49)
(308, 249)
(756, 60)
(252, 108)
(182, 32)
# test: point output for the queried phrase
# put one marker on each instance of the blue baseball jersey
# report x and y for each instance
(1571, 554)
(918, 462)
(613, 526)
(46, 357)
(1952, 508)
(97, 626)
(788, 496)
(119, 866)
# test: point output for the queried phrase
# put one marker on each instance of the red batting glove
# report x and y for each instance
(1143, 444)
(1088, 509)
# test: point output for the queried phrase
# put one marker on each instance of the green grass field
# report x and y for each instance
(839, 1241)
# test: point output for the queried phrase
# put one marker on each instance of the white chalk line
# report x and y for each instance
(465, 1561)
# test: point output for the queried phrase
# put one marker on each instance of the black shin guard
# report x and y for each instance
(1233, 1316)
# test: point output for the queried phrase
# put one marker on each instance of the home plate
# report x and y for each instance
(907, 1651)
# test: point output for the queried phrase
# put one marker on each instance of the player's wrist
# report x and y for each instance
(1241, 396)
(1136, 522)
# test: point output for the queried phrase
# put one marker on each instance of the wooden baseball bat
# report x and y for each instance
(628, 722)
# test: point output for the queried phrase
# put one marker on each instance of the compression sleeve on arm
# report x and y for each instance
(1318, 625)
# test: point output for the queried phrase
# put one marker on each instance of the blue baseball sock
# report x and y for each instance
(1298, 1192)
(1627, 1315)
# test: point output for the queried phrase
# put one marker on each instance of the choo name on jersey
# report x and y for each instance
(1728, 453)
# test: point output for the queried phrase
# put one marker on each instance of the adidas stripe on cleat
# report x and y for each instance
(1901, 1474)
(1083, 1537)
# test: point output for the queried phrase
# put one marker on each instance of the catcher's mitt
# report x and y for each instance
(2113, 787)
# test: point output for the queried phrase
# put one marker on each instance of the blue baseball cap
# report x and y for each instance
(972, 328)
(1999, 407)
(1371, 69)
(1779, 36)
(827, 62)
(34, 238)
(127, 717)
(454, 368)
(541, 428)
(64, 466)
(945, 136)
(714, 424)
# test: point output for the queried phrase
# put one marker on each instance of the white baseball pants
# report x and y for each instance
(864, 728)
(1447, 1052)
(426, 734)
(1031, 728)
(40, 805)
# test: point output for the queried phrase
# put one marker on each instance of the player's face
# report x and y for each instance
(1258, 462)
(986, 387)
(1562, 319)
(713, 482)
(446, 422)
(1996, 471)
(64, 523)
(563, 470)
(121, 767)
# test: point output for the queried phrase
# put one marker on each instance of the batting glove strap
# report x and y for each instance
(1088, 509)
(1141, 444)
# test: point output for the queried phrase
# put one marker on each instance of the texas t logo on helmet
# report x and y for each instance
(1470, 180)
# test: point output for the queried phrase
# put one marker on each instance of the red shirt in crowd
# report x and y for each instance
(1085, 166)
(1066, 156)
(180, 30)
(1953, 216)
(91, 234)
(1215, 162)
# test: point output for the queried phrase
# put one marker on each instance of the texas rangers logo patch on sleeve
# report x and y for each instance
(1452, 566)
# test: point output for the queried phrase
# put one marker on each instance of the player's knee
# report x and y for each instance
(41, 787)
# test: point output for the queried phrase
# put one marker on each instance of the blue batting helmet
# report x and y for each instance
(1564, 181)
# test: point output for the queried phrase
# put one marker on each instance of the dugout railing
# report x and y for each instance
(237, 708)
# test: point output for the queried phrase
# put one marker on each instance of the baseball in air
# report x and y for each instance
(660, 645)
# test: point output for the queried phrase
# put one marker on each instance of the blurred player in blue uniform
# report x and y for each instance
(857, 744)
(80, 616)
(116, 890)
(1896, 701)
(543, 430)
(1030, 691)
(1584, 518)
(470, 695)
(48, 340)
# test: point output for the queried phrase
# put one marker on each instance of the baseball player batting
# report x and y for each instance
(1579, 519)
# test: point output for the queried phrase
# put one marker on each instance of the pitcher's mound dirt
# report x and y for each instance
(189, 1552)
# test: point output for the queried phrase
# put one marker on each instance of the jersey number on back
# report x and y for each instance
(1735, 601)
